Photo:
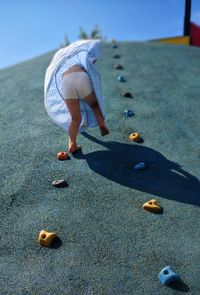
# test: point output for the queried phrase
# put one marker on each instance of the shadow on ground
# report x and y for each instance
(162, 177)
(179, 286)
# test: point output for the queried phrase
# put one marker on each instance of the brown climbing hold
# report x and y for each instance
(118, 67)
(116, 56)
(46, 238)
(127, 94)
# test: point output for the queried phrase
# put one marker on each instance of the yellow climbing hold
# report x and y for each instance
(46, 238)
(152, 206)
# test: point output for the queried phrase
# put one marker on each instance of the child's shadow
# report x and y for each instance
(162, 177)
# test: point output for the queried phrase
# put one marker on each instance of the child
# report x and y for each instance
(73, 96)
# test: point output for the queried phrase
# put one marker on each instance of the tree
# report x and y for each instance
(83, 34)
(95, 34)
(66, 42)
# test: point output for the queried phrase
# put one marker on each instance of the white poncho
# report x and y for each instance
(82, 53)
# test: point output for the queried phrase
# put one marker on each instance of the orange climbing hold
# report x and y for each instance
(62, 156)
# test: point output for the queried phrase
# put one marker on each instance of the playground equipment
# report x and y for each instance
(127, 94)
(134, 136)
(116, 56)
(62, 156)
(152, 206)
(46, 238)
(118, 67)
(121, 79)
(129, 113)
(191, 31)
(167, 276)
(140, 166)
(60, 183)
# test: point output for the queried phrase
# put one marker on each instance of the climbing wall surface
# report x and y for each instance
(108, 243)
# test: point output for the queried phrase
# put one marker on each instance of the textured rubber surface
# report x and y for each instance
(108, 243)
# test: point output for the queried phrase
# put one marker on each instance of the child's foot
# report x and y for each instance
(104, 130)
(74, 149)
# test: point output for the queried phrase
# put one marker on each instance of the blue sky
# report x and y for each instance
(29, 28)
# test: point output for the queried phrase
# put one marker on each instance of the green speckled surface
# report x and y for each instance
(108, 244)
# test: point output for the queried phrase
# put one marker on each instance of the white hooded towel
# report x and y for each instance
(82, 53)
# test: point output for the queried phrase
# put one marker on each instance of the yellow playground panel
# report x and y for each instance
(180, 40)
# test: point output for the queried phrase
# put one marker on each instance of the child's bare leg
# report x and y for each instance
(93, 103)
(74, 109)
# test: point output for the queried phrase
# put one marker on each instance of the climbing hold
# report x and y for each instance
(140, 166)
(128, 113)
(134, 136)
(114, 46)
(167, 276)
(60, 183)
(116, 56)
(46, 238)
(121, 79)
(62, 156)
(127, 94)
(118, 67)
(152, 206)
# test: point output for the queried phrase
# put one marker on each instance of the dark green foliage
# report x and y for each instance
(95, 33)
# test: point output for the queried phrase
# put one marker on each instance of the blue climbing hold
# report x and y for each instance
(114, 46)
(140, 166)
(128, 113)
(167, 276)
(121, 79)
